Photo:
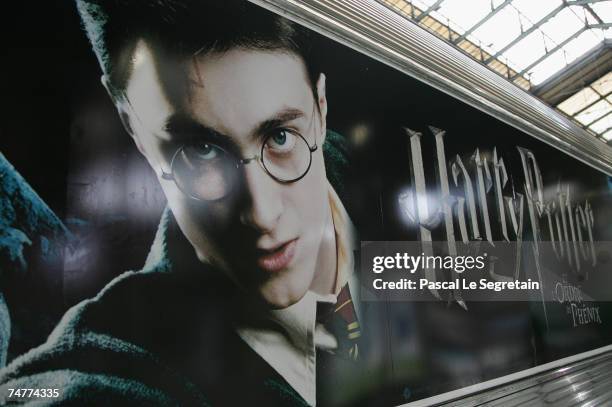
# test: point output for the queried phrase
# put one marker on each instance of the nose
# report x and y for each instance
(264, 205)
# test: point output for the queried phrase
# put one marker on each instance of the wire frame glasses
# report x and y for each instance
(208, 172)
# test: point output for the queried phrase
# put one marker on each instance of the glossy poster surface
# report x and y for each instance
(240, 165)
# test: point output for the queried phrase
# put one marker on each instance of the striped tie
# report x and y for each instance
(340, 319)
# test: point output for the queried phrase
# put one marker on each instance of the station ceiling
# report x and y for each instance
(559, 50)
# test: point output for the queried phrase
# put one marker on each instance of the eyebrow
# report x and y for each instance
(183, 126)
(280, 118)
(188, 130)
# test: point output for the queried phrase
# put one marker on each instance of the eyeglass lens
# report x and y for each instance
(208, 172)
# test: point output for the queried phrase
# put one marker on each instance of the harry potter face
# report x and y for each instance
(237, 150)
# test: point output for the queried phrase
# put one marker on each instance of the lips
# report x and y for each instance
(278, 258)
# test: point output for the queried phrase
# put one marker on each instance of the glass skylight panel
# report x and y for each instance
(465, 15)
(603, 85)
(580, 45)
(500, 29)
(545, 69)
(603, 10)
(424, 4)
(535, 10)
(598, 33)
(594, 112)
(607, 135)
(578, 101)
(565, 31)
(481, 43)
(590, 18)
(561, 26)
(581, 13)
(602, 125)
(455, 27)
(526, 51)
(441, 19)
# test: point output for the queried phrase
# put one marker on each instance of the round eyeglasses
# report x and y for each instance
(207, 172)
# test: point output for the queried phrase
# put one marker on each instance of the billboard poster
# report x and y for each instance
(205, 203)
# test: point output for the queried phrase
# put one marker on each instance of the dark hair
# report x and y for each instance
(186, 27)
(183, 28)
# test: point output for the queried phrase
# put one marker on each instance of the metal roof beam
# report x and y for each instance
(603, 26)
(593, 13)
(481, 22)
(543, 21)
(525, 33)
(552, 51)
(582, 2)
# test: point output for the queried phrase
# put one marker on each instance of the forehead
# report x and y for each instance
(230, 92)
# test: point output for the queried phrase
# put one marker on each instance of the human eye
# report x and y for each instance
(205, 151)
(280, 141)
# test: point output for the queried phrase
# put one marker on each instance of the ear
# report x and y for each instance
(124, 109)
(322, 102)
